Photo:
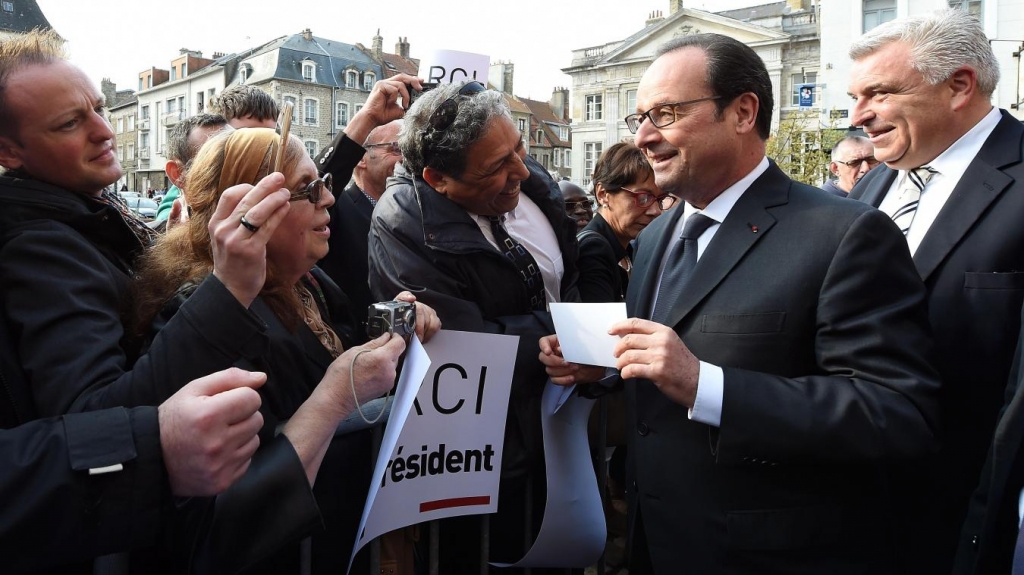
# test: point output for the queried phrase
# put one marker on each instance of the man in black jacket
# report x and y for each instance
(467, 197)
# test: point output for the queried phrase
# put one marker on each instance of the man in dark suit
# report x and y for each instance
(787, 366)
(346, 263)
(993, 517)
(922, 87)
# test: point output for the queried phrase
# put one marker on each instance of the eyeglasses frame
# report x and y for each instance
(638, 119)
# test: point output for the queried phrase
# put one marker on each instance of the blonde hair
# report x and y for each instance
(38, 47)
(185, 254)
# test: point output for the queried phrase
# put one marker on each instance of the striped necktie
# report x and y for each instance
(909, 195)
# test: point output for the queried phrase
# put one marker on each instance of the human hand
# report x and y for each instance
(208, 431)
(427, 322)
(374, 371)
(240, 253)
(564, 372)
(650, 350)
(388, 101)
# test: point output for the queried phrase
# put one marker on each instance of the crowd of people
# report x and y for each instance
(809, 381)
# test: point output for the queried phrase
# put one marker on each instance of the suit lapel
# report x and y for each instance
(980, 185)
(734, 238)
(875, 188)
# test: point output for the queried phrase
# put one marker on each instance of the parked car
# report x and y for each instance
(145, 208)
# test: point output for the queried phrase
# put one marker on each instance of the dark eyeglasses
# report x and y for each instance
(445, 114)
(389, 147)
(645, 199)
(314, 190)
(856, 162)
(662, 115)
(572, 206)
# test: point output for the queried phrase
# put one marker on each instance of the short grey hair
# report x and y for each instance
(842, 144)
(940, 42)
(445, 150)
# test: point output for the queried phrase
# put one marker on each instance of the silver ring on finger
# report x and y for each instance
(249, 225)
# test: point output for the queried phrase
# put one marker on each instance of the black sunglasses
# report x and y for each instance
(445, 114)
(314, 190)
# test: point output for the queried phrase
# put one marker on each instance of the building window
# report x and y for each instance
(358, 107)
(351, 79)
(341, 115)
(540, 136)
(522, 126)
(878, 12)
(369, 79)
(558, 158)
(131, 151)
(591, 152)
(174, 73)
(243, 74)
(969, 6)
(797, 79)
(200, 102)
(311, 148)
(309, 71)
(131, 122)
(120, 153)
(567, 160)
(120, 125)
(144, 141)
(144, 114)
(8, 6)
(563, 133)
(295, 107)
(310, 108)
(594, 107)
(630, 102)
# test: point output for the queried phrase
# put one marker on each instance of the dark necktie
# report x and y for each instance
(523, 261)
(909, 194)
(679, 266)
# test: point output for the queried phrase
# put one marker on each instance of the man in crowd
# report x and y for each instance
(183, 144)
(246, 106)
(785, 358)
(477, 230)
(852, 157)
(578, 205)
(346, 263)
(953, 181)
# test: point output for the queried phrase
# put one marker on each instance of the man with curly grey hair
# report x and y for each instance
(953, 181)
(477, 229)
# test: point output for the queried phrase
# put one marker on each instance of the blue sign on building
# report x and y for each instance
(806, 93)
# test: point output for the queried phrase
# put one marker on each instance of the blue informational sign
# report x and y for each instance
(806, 92)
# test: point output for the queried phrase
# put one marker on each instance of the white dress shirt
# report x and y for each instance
(707, 408)
(950, 165)
(531, 228)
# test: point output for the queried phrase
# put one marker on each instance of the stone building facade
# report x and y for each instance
(605, 78)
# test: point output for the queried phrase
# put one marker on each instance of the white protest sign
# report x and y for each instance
(441, 452)
(451, 66)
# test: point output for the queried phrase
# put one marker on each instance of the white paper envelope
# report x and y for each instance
(582, 330)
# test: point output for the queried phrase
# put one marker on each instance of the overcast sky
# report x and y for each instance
(117, 39)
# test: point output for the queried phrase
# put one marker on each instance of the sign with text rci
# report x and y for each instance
(441, 452)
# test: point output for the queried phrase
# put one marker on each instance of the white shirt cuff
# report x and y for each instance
(707, 408)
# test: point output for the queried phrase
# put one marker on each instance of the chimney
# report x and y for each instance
(508, 73)
(674, 6)
(559, 103)
(193, 53)
(218, 55)
(378, 45)
(402, 47)
(796, 5)
(109, 90)
(307, 35)
(655, 17)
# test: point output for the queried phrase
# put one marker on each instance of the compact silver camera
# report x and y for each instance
(396, 317)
